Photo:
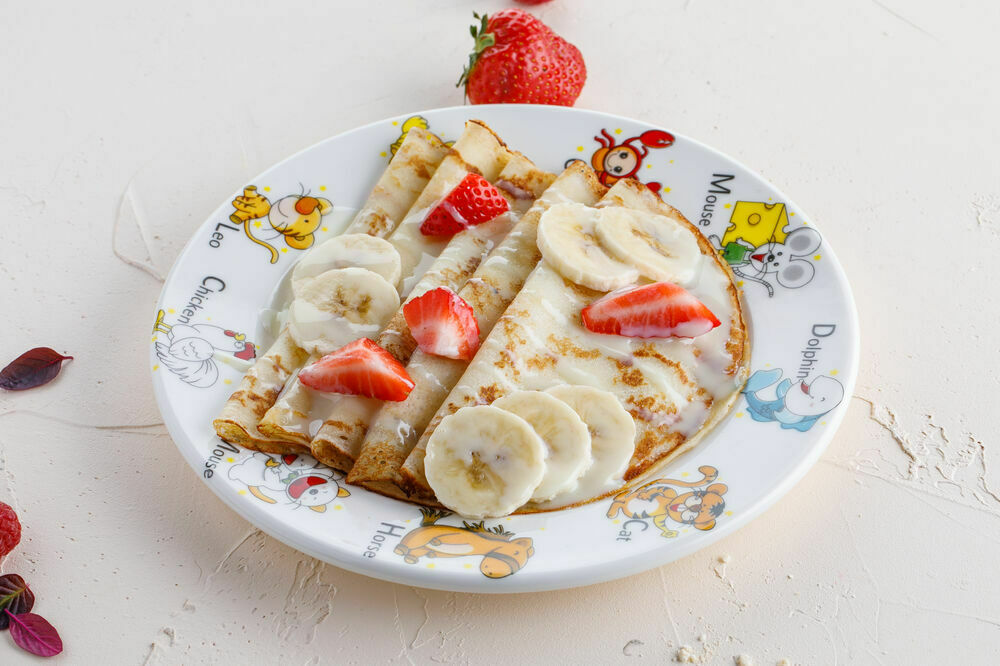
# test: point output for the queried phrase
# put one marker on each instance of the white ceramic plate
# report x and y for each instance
(803, 329)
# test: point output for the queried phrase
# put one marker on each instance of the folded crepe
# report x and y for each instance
(286, 423)
(675, 389)
(408, 173)
(336, 423)
(397, 426)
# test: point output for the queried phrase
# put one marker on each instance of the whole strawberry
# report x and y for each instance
(518, 59)
(10, 530)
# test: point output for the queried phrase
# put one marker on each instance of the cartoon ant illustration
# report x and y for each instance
(191, 349)
(612, 162)
(796, 406)
(295, 217)
(502, 554)
(300, 479)
(660, 501)
(757, 247)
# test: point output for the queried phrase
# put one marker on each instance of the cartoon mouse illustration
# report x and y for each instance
(659, 500)
(295, 217)
(302, 480)
(502, 554)
(190, 349)
(795, 406)
(787, 262)
(612, 161)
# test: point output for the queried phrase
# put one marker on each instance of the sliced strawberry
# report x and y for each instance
(443, 324)
(472, 202)
(359, 368)
(659, 310)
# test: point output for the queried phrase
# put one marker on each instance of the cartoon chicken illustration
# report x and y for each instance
(301, 480)
(295, 217)
(190, 349)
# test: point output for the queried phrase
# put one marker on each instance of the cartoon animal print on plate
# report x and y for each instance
(408, 124)
(297, 480)
(612, 161)
(660, 501)
(795, 406)
(190, 349)
(502, 554)
(295, 217)
(758, 248)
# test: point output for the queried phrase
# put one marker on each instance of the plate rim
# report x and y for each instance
(455, 581)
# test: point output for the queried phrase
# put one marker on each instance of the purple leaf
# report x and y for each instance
(32, 368)
(34, 634)
(15, 596)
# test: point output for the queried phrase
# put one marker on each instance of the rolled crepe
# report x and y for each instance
(338, 441)
(397, 426)
(674, 389)
(399, 186)
(298, 411)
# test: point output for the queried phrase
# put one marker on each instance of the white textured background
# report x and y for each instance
(123, 124)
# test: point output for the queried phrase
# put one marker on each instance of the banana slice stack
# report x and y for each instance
(344, 289)
(489, 460)
(609, 248)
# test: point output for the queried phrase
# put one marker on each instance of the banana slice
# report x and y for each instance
(568, 241)
(661, 248)
(612, 433)
(340, 306)
(484, 462)
(566, 438)
(345, 251)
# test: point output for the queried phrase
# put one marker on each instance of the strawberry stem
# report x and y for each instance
(484, 40)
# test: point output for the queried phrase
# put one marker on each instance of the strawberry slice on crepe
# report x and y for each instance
(658, 310)
(473, 201)
(359, 368)
(443, 324)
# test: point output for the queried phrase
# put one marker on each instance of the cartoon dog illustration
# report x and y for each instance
(659, 500)
(191, 349)
(302, 480)
(756, 246)
(295, 217)
(502, 554)
(796, 406)
(612, 161)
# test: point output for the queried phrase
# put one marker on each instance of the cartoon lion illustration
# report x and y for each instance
(659, 500)
(502, 554)
(295, 217)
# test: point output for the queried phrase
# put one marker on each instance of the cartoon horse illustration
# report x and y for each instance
(658, 500)
(502, 554)
(302, 480)
(295, 217)
(191, 349)
(612, 161)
